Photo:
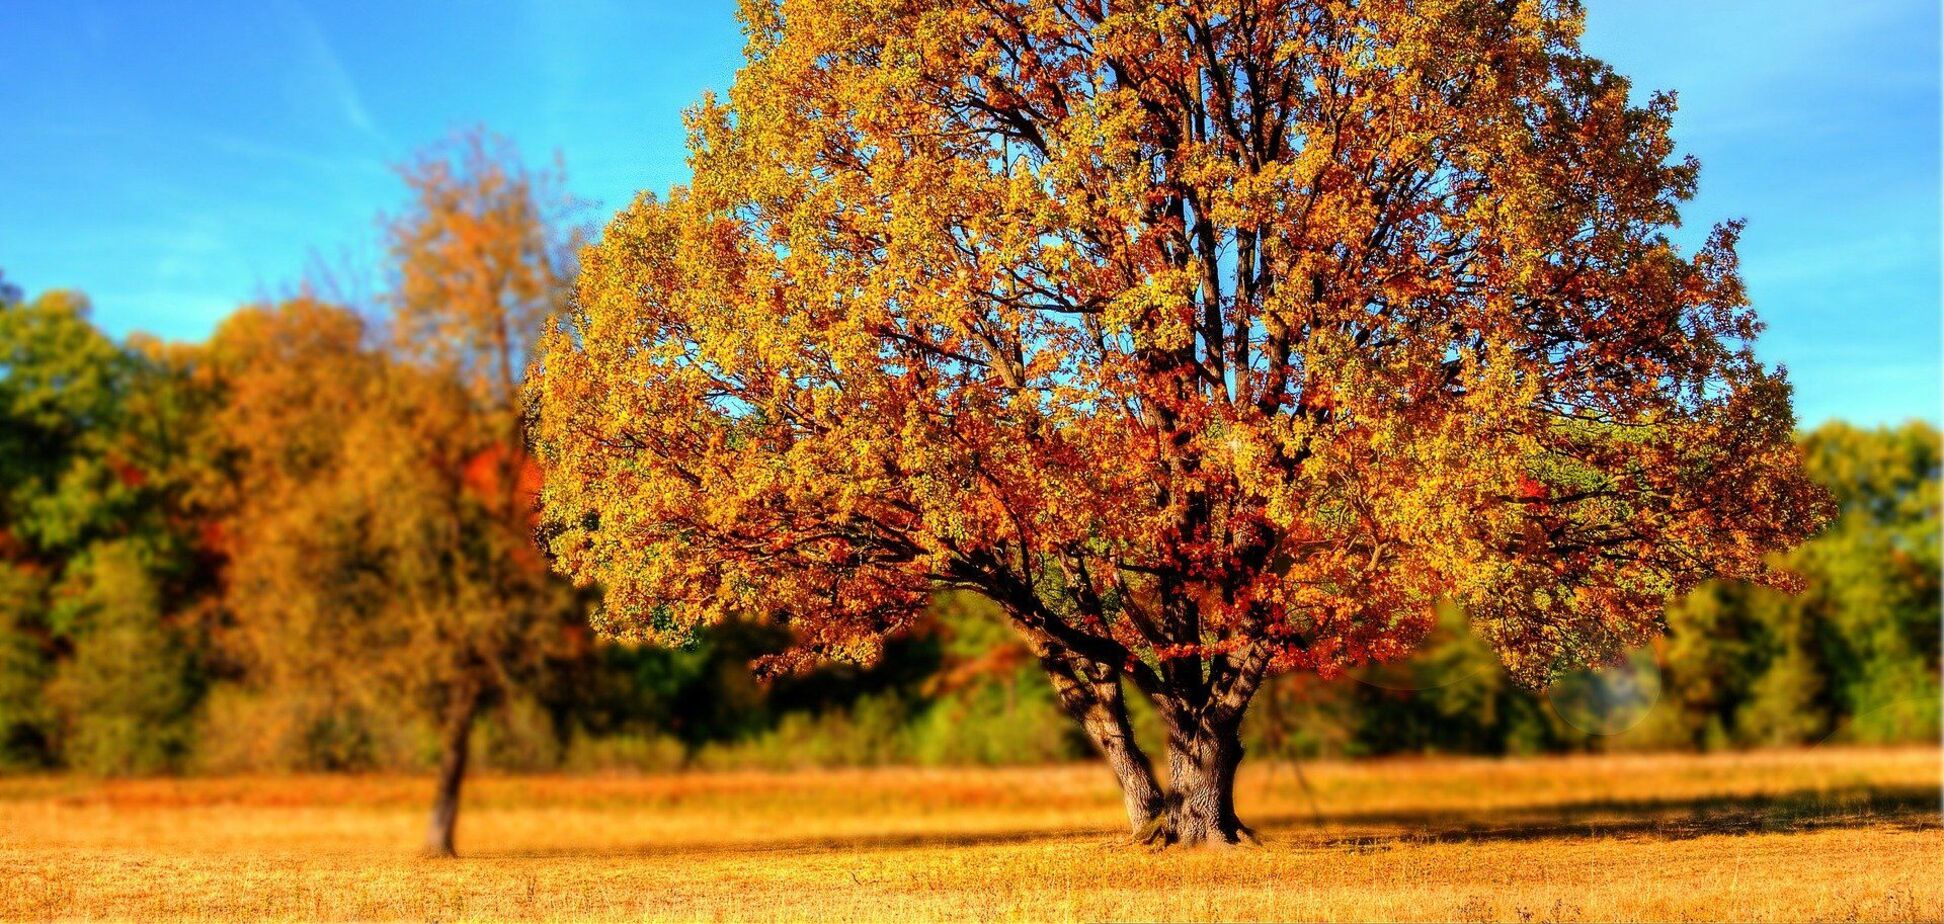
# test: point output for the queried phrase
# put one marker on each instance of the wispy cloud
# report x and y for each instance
(326, 69)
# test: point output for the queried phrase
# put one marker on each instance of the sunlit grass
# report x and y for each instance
(1825, 833)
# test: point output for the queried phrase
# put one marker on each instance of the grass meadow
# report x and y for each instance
(1826, 833)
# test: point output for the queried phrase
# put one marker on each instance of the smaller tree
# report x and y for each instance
(369, 564)
(382, 529)
(482, 258)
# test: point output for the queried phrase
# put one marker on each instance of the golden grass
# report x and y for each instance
(1787, 835)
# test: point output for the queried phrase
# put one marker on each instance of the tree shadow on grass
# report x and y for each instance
(814, 844)
(1903, 808)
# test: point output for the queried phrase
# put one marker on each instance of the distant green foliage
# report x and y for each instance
(62, 385)
(1452, 697)
(110, 662)
(127, 694)
(989, 703)
(1852, 658)
(26, 662)
(102, 580)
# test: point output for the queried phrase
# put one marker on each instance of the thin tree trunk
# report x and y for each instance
(1094, 699)
(452, 772)
(1111, 733)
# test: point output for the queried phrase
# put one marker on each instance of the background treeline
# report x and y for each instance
(305, 544)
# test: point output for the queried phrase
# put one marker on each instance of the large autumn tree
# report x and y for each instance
(1208, 339)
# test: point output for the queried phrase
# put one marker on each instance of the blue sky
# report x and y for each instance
(176, 161)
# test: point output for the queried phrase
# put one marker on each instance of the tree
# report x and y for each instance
(1207, 339)
(309, 583)
(124, 690)
(381, 541)
(1873, 612)
(1855, 654)
(372, 566)
(482, 259)
(104, 577)
(59, 380)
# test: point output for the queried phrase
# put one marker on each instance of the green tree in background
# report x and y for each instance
(1853, 658)
(1884, 560)
(104, 576)
(988, 702)
(25, 663)
(128, 690)
(1856, 655)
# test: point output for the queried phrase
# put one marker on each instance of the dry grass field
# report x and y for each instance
(1821, 834)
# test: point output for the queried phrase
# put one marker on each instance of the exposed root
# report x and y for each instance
(1163, 832)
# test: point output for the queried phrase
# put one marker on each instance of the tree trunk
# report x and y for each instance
(1107, 726)
(1094, 699)
(1200, 805)
(1204, 741)
(452, 772)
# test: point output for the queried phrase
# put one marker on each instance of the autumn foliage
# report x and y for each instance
(381, 515)
(1207, 339)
